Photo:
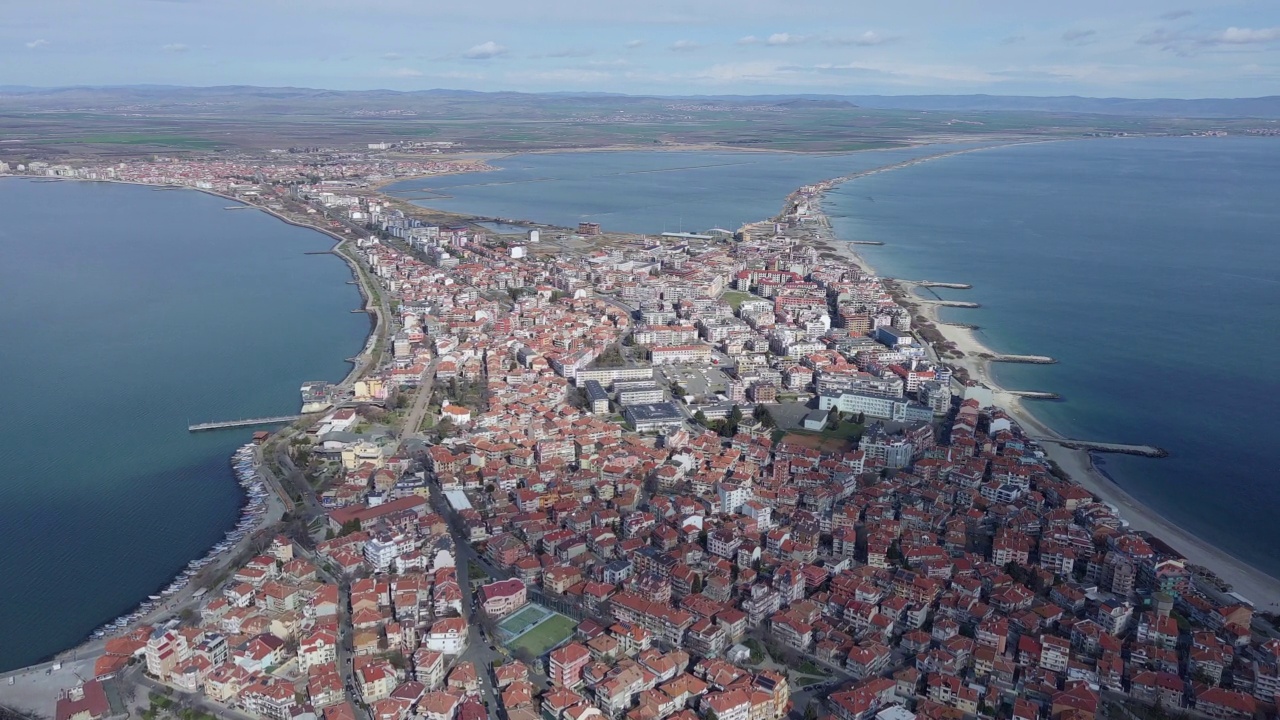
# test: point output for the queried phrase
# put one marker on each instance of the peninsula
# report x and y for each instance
(583, 474)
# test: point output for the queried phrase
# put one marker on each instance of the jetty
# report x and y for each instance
(935, 284)
(865, 242)
(1151, 451)
(244, 422)
(948, 303)
(1035, 395)
(1027, 359)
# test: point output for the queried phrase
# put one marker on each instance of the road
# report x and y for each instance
(413, 422)
(481, 650)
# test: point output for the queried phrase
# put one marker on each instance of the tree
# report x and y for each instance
(862, 418)
(445, 428)
(349, 527)
(735, 415)
(701, 418)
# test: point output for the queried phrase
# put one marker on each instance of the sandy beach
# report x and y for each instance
(1260, 588)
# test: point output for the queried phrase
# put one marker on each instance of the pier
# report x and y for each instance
(934, 284)
(1027, 359)
(865, 242)
(245, 422)
(948, 303)
(1035, 395)
(1150, 451)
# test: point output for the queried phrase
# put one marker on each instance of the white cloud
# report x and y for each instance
(392, 56)
(404, 72)
(786, 39)
(633, 44)
(573, 52)
(866, 39)
(749, 40)
(485, 51)
(1244, 36)
(37, 43)
(685, 46)
(175, 48)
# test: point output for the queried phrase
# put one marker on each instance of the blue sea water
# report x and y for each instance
(127, 313)
(644, 191)
(1148, 268)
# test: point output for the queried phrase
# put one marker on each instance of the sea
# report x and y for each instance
(1146, 266)
(126, 314)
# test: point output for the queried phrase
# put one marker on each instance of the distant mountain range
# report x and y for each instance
(1260, 107)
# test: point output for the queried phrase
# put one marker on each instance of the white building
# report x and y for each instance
(448, 636)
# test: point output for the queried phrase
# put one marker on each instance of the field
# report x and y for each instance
(545, 636)
(818, 441)
(522, 620)
(82, 123)
(735, 298)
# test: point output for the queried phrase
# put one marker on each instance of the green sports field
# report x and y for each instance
(545, 636)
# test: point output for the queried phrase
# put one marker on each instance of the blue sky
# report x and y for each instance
(1130, 48)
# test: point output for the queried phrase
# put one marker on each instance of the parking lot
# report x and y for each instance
(696, 380)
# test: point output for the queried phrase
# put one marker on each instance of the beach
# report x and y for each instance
(1260, 588)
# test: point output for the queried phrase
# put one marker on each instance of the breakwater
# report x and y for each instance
(1150, 451)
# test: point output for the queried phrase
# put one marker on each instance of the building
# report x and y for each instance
(855, 403)
(448, 636)
(643, 395)
(87, 701)
(501, 598)
(676, 354)
(166, 650)
(565, 664)
(597, 398)
(653, 417)
(607, 376)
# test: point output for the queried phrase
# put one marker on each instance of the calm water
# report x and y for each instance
(644, 192)
(1148, 267)
(127, 313)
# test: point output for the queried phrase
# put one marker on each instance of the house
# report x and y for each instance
(448, 636)
(87, 701)
(501, 598)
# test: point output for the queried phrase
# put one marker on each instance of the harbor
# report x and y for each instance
(245, 465)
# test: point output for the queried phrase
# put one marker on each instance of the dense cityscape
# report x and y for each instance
(588, 475)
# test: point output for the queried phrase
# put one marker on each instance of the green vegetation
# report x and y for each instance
(172, 141)
(611, 358)
(474, 571)
(735, 298)
(548, 634)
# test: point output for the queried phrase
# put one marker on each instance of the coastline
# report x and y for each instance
(1260, 588)
(277, 500)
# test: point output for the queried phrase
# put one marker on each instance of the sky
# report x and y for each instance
(1111, 48)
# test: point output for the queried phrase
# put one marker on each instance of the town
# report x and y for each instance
(687, 477)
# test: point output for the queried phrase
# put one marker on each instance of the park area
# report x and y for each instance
(535, 630)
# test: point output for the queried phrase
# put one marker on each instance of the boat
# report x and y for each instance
(154, 597)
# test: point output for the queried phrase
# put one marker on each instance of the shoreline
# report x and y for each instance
(1260, 588)
(277, 503)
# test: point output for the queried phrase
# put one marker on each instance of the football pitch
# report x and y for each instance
(544, 636)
